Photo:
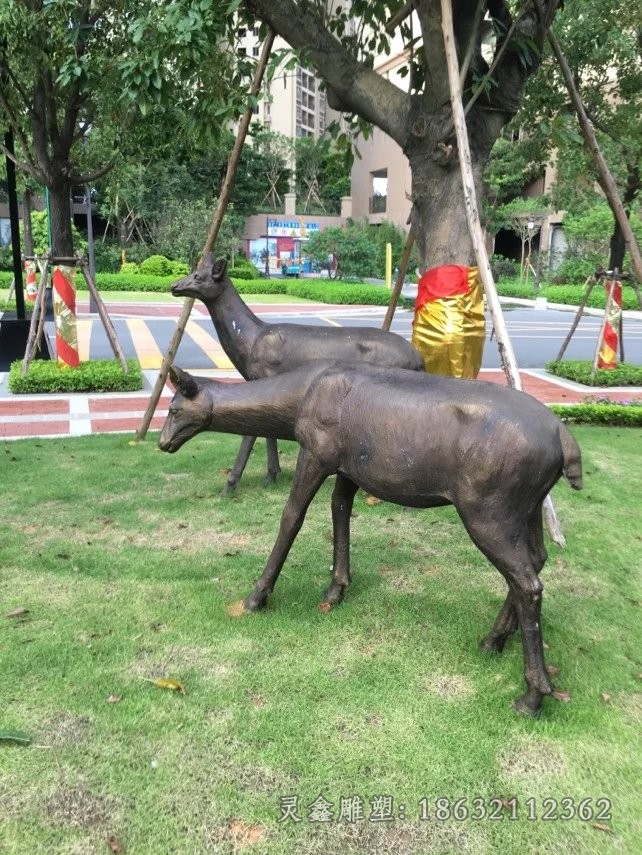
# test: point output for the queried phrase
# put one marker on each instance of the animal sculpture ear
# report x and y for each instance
(219, 269)
(183, 381)
(208, 261)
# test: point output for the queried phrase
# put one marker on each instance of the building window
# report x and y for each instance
(379, 191)
(5, 231)
(241, 32)
(255, 50)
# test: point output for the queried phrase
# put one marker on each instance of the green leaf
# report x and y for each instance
(15, 736)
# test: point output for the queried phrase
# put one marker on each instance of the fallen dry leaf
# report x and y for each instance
(601, 827)
(373, 500)
(225, 471)
(17, 612)
(553, 670)
(115, 845)
(114, 699)
(172, 685)
(606, 697)
(562, 696)
(245, 835)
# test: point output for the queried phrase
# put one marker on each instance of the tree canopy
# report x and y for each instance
(341, 43)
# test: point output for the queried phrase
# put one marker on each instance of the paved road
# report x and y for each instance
(145, 333)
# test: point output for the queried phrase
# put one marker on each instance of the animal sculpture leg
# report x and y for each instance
(342, 500)
(308, 477)
(273, 466)
(510, 550)
(247, 444)
(506, 622)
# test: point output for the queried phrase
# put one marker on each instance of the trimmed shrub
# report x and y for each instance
(242, 272)
(130, 268)
(570, 295)
(599, 413)
(339, 293)
(6, 278)
(101, 375)
(10, 306)
(581, 371)
(156, 265)
(574, 270)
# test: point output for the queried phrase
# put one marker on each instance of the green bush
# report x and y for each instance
(107, 257)
(156, 265)
(130, 268)
(132, 282)
(101, 375)
(615, 414)
(242, 272)
(6, 278)
(581, 371)
(6, 258)
(260, 286)
(10, 306)
(340, 293)
(565, 294)
(574, 270)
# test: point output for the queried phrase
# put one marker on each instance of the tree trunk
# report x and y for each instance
(439, 207)
(618, 241)
(60, 212)
(26, 222)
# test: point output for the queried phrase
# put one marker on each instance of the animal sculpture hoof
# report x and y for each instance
(228, 490)
(333, 596)
(529, 704)
(492, 645)
(269, 479)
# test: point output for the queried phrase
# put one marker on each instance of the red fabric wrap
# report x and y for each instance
(447, 280)
(65, 290)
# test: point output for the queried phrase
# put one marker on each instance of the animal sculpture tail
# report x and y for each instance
(572, 468)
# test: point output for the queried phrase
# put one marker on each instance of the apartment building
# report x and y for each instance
(293, 103)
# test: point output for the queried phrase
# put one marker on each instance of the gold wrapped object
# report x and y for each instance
(449, 328)
(64, 300)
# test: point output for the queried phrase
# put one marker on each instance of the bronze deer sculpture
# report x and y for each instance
(413, 439)
(258, 349)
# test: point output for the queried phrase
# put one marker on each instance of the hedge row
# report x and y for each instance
(101, 375)
(617, 415)
(569, 294)
(581, 371)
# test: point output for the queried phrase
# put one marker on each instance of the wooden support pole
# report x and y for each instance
(37, 320)
(504, 344)
(401, 275)
(103, 314)
(224, 196)
(588, 287)
(606, 179)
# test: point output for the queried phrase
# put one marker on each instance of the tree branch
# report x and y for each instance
(91, 176)
(23, 165)
(358, 88)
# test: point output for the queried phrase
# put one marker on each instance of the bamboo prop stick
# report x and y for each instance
(401, 275)
(504, 344)
(37, 320)
(588, 287)
(104, 315)
(211, 237)
(606, 179)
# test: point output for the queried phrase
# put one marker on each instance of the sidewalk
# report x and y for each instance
(44, 416)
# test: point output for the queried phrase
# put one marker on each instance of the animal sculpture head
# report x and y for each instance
(188, 414)
(206, 283)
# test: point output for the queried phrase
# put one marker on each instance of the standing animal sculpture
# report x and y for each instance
(413, 439)
(259, 350)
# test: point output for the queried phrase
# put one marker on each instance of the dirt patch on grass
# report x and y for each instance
(153, 665)
(400, 836)
(632, 706)
(63, 729)
(532, 760)
(448, 685)
(77, 807)
(559, 575)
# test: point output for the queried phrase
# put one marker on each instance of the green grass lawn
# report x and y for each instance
(126, 558)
